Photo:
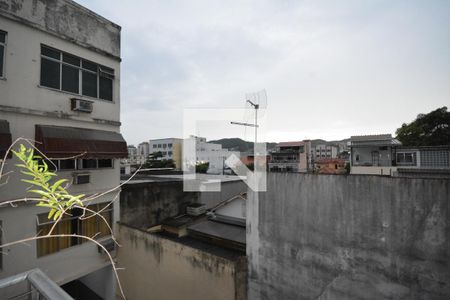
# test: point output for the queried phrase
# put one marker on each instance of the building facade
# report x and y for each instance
(291, 157)
(60, 87)
(211, 153)
(170, 148)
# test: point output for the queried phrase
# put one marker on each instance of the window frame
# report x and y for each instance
(75, 228)
(4, 45)
(101, 71)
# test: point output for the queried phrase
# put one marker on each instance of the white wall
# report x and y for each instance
(23, 103)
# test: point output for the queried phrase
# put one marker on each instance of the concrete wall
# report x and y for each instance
(229, 189)
(146, 203)
(159, 268)
(386, 171)
(349, 237)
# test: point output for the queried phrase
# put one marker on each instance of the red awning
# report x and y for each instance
(64, 142)
(5, 138)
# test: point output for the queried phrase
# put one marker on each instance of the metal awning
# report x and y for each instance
(64, 142)
(5, 138)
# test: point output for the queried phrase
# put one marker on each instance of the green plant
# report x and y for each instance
(202, 167)
(53, 194)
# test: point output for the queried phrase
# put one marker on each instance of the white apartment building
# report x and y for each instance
(170, 148)
(59, 86)
(143, 150)
(211, 153)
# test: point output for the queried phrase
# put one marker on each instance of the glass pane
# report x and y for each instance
(70, 79)
(50, 73)
(106, 86)
(103, 227)
(105, 163)
(2, 53)
(89, 84)
(50, 52)
(47, 245)
(89, 163)
(2, 37)
(89, 66)
(65, 227)
(67, 164)
(70, 59)
(89, 225)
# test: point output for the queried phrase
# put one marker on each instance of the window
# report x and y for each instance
(164, 146)
(154, 145)
(169, 145)
(66, 72)
(80, 164)
(406, 158)
(2, 52)
(170, 153)
(71, 224)
(159, 145)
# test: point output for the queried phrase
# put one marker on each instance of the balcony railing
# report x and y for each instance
(39, 286)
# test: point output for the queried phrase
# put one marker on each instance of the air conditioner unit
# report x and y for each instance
(81, 105)
(83, 178)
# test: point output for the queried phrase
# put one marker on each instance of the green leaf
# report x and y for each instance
(57, 184)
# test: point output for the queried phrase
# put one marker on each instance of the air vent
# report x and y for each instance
(81, 105)
(81, 178)
(196, 209)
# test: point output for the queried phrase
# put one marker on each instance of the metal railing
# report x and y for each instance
(40, 286)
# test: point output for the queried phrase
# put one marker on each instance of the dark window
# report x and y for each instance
(2, 50)
(50, 73)
(169, 145)
(89, 84)
(105, 163)
(46, 51)
(70, 59)
(70, 76)
(82, 178)
(62, 71)
(67, 164)
(89, 164)
(106, 86)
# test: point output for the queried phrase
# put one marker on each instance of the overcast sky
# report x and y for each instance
(331, 69)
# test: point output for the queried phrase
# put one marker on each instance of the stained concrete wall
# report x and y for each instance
(145, 203)
(349, 237)
(160, 268)
(66, 20)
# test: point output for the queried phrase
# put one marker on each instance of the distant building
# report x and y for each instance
(291, 157)
(330, 166)
(249, 158)
(170, 148)
(384, 155)
(143, 150)
(212, 154)
(373, 154)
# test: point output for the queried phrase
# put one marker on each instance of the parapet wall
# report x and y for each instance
(349, 237)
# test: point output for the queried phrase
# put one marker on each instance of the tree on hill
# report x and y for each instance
(432, 129)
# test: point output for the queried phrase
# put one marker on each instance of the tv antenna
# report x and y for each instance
(256, 101)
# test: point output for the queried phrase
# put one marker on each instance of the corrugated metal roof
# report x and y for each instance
(373, 137)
